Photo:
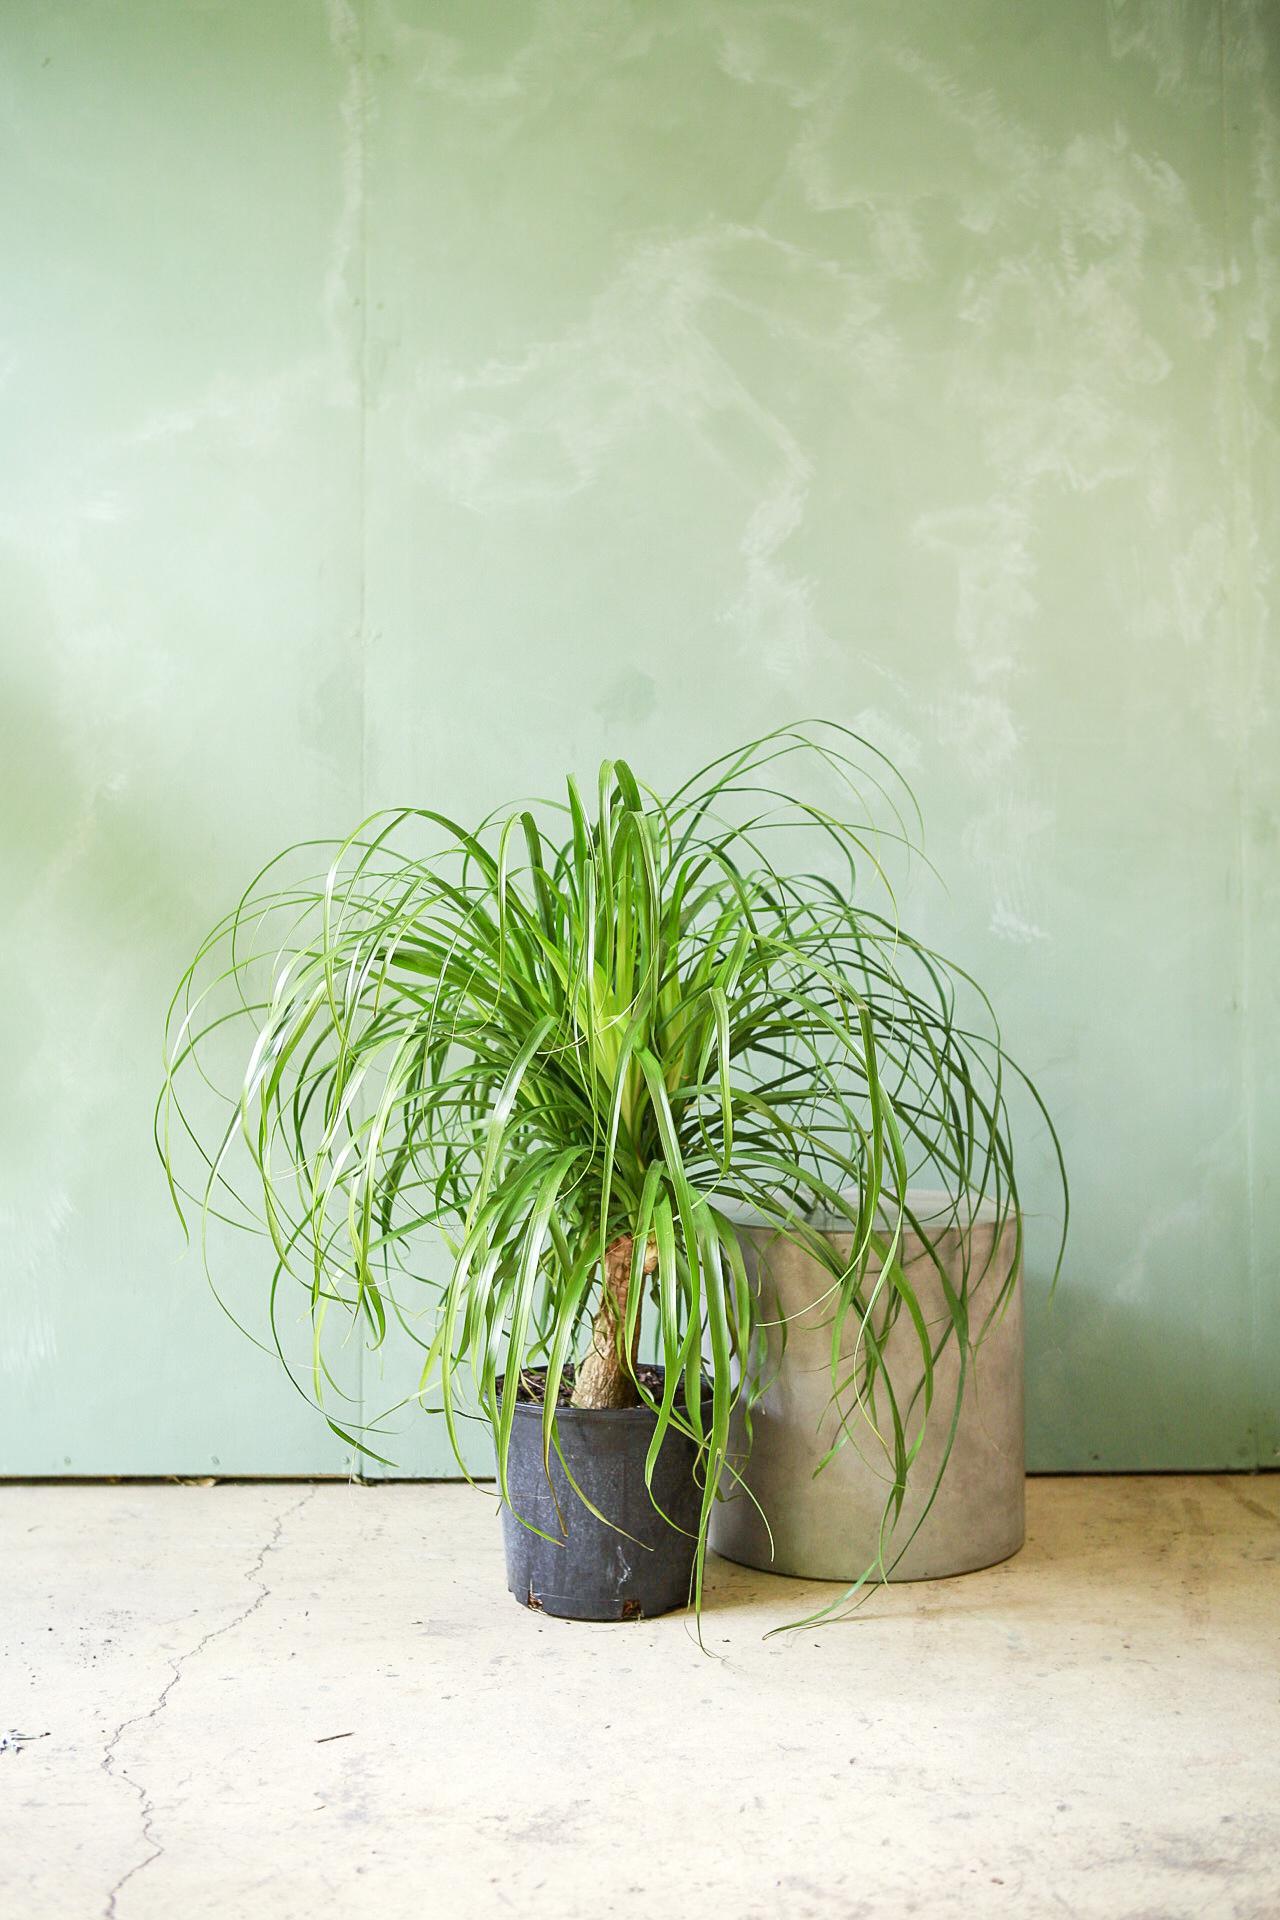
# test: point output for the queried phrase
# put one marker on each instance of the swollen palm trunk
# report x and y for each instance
(603, 1378)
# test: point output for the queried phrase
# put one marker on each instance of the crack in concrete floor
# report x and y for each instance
(177, 1668)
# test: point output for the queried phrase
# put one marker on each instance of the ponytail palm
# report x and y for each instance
(515, 1092)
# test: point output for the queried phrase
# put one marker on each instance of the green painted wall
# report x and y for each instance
(411, 401)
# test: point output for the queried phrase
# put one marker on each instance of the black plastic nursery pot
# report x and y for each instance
(587, 1570)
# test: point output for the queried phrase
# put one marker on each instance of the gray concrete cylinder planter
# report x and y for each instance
(825, 1527)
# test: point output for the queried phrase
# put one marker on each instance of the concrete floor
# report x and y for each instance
(294, 1701)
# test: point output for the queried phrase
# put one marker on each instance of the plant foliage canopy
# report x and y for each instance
(468, 1062)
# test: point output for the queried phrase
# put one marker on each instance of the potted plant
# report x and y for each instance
(573, 1049)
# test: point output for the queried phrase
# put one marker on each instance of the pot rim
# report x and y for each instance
(525, 1408)
(929, 1204)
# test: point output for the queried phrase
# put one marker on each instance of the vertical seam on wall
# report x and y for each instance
(1239, 481)
(362, 508)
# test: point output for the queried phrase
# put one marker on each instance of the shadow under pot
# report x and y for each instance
(640, 1565)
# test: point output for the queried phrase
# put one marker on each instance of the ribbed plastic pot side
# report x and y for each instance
(639, 1566)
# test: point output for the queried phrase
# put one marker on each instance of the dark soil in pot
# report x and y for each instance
(589, 1571)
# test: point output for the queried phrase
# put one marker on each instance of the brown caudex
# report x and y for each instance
(605, 1378)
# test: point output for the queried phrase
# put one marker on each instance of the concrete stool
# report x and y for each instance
(825, 1527)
